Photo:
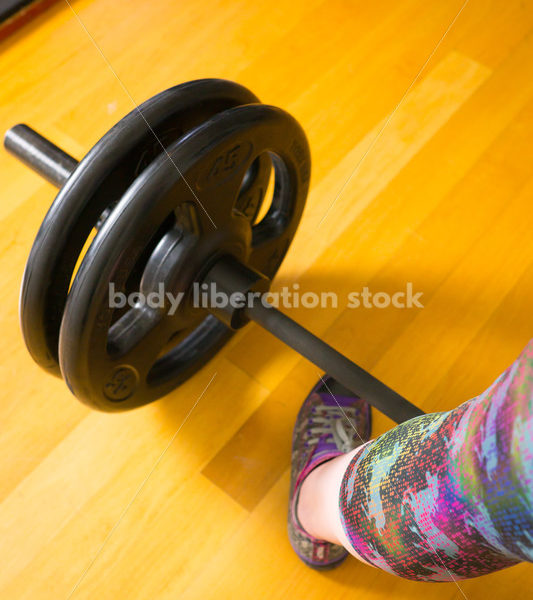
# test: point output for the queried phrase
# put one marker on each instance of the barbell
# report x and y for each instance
(174, 191)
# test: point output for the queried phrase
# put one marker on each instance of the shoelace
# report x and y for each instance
(335, 422)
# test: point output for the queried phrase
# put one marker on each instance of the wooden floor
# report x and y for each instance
(130, 506)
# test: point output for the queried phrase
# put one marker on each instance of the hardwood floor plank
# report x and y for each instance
(443, 199)
(370, 241)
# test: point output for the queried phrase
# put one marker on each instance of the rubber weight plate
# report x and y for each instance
(98, 183)
(115, 363)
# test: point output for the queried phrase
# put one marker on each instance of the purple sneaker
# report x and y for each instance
(331, 421)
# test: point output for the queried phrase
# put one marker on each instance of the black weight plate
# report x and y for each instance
(120, 365)
(99, 182)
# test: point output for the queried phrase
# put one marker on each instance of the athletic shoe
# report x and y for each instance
(331, 421)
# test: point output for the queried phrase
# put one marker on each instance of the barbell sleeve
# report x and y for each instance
(40, 154)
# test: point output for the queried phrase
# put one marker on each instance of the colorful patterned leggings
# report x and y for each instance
(449, 495)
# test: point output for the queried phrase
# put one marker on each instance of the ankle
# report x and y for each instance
(308, 508)
(317, 509)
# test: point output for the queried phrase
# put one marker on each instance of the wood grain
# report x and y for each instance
(130, 505)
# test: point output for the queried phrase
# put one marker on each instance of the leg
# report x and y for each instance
(443, 496)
